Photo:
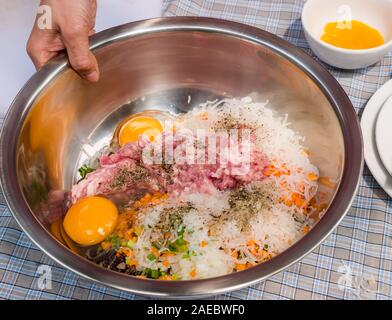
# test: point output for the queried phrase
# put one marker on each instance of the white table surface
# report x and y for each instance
(17, 18)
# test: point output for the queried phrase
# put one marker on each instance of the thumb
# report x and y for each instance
(80, 56)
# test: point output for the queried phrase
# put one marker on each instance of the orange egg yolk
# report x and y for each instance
(352, 35)
(131, 130)
(91, 220)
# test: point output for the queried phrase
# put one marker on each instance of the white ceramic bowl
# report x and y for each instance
(376, 13)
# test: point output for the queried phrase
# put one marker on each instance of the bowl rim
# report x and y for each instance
(353, 164)
(357, 52)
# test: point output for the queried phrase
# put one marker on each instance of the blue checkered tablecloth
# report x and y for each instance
(360, 249)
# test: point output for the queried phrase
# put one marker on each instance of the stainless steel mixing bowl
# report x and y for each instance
(57, 120)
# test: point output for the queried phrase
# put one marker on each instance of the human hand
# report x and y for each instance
(72, 23)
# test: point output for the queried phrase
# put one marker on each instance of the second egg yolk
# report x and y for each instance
(352, 35)
(132, 129)
(91, 220)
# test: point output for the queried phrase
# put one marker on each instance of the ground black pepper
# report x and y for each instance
(244, 204)
(125, 176)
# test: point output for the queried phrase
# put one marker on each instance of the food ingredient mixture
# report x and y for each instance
(225, 187)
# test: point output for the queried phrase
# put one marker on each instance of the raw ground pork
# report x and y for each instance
(126, 172)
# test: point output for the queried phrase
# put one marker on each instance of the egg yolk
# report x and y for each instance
(131, 130)
(91, 220)
(352, 35)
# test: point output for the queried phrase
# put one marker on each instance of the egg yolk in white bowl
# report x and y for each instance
(352, 34)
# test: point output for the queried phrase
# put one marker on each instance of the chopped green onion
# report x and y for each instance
(115, 241)
(176, 277)
(155, 274)
(180, 242)
(130, 244)
(156, 245)
(151, 257)
(84, 170)
(186, 256)
(181, 231)
(152, 273)
(172, 247)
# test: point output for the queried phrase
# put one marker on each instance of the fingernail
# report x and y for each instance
(92, 76)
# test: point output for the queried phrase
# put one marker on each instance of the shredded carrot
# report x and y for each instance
(269, 170)
(167, 254)
(149, 199)
(264, 254)
(272, 170)
(132, 263)
(129, 234)
(297, 199)
(204, 115)
(306, 229)
(253, 247)
(193, 273)
(312, 176)
(106, 245)
(155, 251)
(136, 204)
(203, 244)
(240, 266)
(138, 230)
(126, 251)
(251, 242)
(211, 233)
(146, 197)
(166, 263)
